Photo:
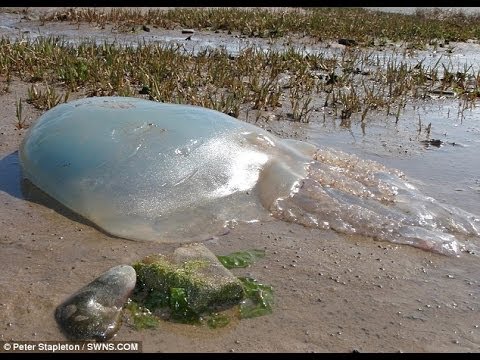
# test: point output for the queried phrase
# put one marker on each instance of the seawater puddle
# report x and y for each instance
(14, 28)
(8, 22)
(449, 173)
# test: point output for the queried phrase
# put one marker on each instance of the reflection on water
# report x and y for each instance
(449, 173)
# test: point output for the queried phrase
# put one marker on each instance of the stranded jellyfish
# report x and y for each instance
(145, 170)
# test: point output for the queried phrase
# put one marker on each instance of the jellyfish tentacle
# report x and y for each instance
(355, 196)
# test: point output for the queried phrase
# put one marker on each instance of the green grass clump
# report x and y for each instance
(359, 24)
(288, 84)
(211, 78)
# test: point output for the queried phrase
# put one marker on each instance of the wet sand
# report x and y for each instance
(333, 293)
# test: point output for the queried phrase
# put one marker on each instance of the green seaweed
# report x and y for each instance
(180, 308)
(184, 292)
(259, 298)
(154, 299)
(141, 316)
(216, 321)
(241, 259)
(183, 288)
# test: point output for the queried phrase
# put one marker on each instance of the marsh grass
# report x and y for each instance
(19, 115)
(45, 99)
(363, 26)
(288, 83)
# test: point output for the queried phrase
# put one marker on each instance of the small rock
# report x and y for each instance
(196, 269)
(30, 17)
(93, 313)
(145, 28)
(432, 142)
(347, 42)
(188, 31)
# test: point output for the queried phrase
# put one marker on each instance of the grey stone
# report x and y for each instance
(196, 269)
(94, 312)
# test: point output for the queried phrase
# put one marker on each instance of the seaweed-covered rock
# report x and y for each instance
(94, 312)
(192, 279)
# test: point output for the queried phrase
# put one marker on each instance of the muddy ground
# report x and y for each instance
(333, 293)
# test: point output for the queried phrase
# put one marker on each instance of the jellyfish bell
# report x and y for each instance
(145, 170)
(151, 171)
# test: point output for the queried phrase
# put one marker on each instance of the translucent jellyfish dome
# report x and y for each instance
(145, 170)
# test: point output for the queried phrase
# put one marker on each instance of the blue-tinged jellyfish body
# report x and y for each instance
(145, 170)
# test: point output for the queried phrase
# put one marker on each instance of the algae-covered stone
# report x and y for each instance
(93, 313)
(192, 278)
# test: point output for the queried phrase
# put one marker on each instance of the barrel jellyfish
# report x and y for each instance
(145, 170)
